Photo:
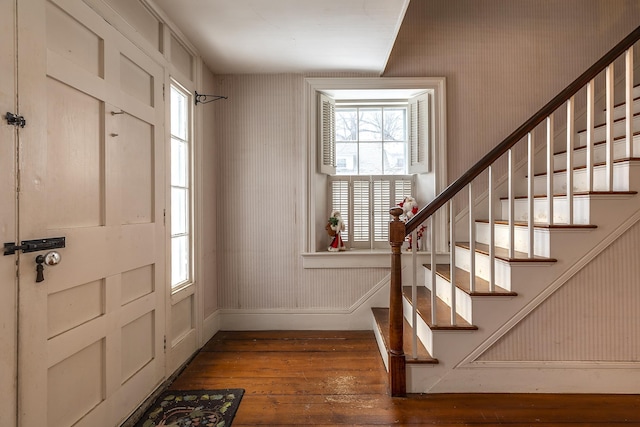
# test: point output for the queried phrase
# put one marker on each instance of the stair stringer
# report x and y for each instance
(457, 370)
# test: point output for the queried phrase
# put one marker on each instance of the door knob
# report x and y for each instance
(50, 258)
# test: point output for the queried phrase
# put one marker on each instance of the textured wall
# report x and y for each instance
(209, 204)
(593, 317)
(261, 160)
(503, 59)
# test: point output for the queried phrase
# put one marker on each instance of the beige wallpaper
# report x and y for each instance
(503, 59)
(208, 237)
(260, 171)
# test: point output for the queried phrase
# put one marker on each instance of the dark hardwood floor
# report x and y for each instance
(338, 378)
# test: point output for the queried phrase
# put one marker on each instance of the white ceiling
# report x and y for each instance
(289, 36)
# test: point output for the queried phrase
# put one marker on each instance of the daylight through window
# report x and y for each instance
(180, 188)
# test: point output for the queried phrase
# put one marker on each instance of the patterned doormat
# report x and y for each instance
(193, 408)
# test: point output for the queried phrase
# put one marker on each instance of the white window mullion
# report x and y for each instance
(181, 224)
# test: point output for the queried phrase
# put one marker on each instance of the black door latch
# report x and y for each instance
(15, 120)
(34, 245)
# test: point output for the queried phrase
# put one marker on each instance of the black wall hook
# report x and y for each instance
(202, 99)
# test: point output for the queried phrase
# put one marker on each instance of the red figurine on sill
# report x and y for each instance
(335, 227)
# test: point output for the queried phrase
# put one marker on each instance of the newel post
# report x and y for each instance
(397, 369)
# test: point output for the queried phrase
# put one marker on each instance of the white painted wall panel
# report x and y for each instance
(261, 184)
(593, 317)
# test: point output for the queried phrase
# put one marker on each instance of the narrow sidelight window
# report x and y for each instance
(181, 223)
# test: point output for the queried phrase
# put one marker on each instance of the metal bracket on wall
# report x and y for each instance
(15, 120)
(202, 99)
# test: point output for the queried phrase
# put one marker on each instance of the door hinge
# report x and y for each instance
(164, 345)
(164, 216)
(15, 120)
(163, 91)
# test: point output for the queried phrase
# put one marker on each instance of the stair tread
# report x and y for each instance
(503, 254)
(443, 311)
(462, 282)
(381, 316)
(540, 224)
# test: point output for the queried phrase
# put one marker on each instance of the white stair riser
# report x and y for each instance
(580, 180)
(443, 291)
(425, 334)
(502, 268)
(621, 110)
(541, 238)
(541, 210)
(599, 133)
(599, 153)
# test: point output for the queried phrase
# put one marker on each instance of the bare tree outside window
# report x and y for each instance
(371, 140)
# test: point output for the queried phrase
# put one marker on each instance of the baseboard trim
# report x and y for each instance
(541, 377)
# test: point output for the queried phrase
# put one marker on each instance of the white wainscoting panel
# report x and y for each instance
(593, 317)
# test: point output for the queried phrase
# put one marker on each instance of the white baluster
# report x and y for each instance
(590, 119)
(452, 265)
(492, 234)
(511, 204)
(628, 96)
(609, 125)
(433, 270)
(550, 167)
(472, 240)
(570, 142)
(530, 193)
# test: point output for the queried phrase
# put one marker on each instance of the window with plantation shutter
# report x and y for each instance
(327, 138)
(364, 203)
(419, 134)
(371, 141)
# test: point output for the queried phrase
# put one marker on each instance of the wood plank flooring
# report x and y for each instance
(337, 378)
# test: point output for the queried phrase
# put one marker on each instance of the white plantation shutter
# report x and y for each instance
(327, 128)
(381, 205)
(419, 134)
(340, 202)
(364, 203)
(361, 210)
(402, 189)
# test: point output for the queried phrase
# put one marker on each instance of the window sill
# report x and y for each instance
(357, 258)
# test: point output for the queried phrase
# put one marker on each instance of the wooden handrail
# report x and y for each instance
(493, 155)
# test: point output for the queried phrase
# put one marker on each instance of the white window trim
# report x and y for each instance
(313, 223)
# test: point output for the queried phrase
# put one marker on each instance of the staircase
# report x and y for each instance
(563, 197)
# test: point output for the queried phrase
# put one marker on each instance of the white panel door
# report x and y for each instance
(8, 345)
(91, 170)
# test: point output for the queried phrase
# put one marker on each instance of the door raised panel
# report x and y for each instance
(72, 40)
(135, 161)
(81, 376)
(75, 306)
(75, 179)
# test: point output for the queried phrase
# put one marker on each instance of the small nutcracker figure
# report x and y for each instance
(335, 227)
